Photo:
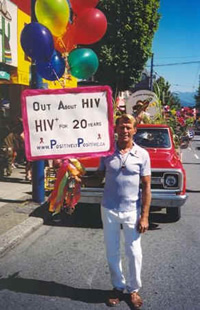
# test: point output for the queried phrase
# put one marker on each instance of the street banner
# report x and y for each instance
(70, 122)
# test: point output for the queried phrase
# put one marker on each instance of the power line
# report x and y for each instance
(178, 57)
(176, 63)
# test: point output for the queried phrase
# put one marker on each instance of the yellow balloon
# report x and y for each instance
(54, 14)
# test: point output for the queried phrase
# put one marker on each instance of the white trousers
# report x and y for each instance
(112, 221)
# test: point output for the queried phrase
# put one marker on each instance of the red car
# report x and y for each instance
(168, 182)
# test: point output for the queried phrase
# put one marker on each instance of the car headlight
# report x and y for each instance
(171, 180)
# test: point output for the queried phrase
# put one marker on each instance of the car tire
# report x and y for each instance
(174, 214)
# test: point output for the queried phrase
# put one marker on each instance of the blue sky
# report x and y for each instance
(177, 40)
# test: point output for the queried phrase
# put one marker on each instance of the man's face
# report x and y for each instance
(125, 130)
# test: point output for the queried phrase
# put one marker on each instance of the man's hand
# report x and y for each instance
(78, 178)
(143, 224)
(94, 180)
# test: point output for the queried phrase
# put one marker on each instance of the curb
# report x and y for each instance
(15, 235)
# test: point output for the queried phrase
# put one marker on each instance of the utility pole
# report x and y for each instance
(38, 193)
(151, 74)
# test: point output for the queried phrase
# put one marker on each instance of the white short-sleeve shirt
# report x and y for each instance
(121, 191)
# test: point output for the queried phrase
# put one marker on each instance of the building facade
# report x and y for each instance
(14, 65)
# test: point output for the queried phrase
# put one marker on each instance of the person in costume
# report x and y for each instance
(140, 111)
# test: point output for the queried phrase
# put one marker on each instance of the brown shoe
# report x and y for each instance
(136, 300)
(115, 298)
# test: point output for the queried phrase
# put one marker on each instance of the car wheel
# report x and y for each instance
(174, 214)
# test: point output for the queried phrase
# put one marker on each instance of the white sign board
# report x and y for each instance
(63, 123)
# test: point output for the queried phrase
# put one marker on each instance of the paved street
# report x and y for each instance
(15, 199)
(63, 266)
(19, 189)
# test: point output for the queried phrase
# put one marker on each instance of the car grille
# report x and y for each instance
(158, 179)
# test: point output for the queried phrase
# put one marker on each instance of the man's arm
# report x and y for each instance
(94, 180)
(146, 201)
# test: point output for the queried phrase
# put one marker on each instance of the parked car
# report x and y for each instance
(191, 133)
(168, 183)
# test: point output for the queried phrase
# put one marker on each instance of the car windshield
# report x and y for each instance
(155, 138)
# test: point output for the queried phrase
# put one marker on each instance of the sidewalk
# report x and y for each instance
(16, 206)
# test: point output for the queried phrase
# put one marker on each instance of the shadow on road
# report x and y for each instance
(45, 288)
(157, 218)
(89, 216)
(192, 163)
(192, 190)
(13, 180)
(25, 200)
(85, 216)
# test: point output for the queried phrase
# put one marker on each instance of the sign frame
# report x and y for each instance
(29, 95)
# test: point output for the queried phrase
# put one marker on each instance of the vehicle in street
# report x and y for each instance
(197, 127)
(191, 133)
(187, 138)
(168, 183)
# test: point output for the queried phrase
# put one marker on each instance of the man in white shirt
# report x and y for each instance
(123, 205)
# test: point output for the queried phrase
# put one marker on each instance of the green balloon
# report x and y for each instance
(83, 63)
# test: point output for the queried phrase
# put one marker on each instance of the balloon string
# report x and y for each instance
(61, 84)
(56, 76)
(66, 62)
(65, 56)
(63, 44)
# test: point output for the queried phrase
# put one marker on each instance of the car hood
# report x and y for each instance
(164, 159)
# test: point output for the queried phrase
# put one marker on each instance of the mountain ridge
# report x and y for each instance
(186, 98)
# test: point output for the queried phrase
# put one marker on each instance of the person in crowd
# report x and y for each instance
(10, 144)
(28, 165)
(122, 205)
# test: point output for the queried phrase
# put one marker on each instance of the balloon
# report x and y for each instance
(83, 63)
(52, 70)
(79, 5)
(37, 42)
(54, 14)
(66, 42)
(90, 26)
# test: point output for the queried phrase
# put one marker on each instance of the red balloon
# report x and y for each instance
(66, 42)
(90, 26)
(79, 5)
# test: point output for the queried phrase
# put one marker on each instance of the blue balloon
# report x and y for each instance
(37, 42)
(53, 69)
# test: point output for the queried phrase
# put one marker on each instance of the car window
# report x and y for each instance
(155, 138)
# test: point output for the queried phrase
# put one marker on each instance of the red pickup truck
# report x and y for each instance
(168, 183)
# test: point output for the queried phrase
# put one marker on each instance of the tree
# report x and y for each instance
(197, 98)
(162, 90)
(126, 46)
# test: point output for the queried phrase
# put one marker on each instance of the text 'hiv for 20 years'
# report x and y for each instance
(47, 124)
